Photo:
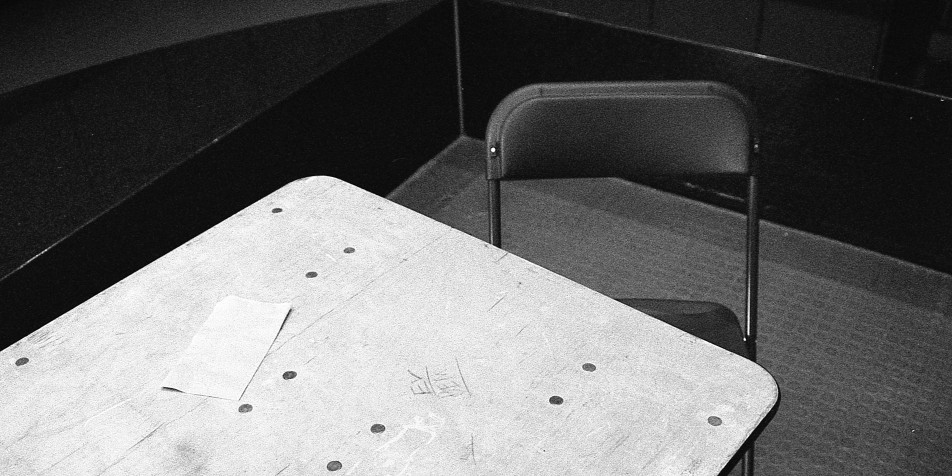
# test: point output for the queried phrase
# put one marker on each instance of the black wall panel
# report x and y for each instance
(855, 160)
(371, 121)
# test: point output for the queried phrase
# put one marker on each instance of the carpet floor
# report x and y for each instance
(858, 342)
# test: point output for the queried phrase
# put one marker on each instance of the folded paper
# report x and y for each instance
(226, 352)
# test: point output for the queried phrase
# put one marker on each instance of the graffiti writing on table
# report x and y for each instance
(440, 381)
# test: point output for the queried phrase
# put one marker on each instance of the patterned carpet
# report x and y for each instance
(858, 342)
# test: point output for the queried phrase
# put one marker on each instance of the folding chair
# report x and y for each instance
(631, 130)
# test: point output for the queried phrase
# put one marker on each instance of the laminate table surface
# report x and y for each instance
(410, 348)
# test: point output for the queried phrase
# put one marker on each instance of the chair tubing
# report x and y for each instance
(753, 271)
(495, 211)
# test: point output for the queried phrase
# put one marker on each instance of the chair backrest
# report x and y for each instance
(620, 129)
(566, 130)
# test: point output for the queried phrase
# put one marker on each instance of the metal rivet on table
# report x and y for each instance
(349, 250)
(555, 400)
(588, 367)
(276, 210)
(311, 274)
(714, 421)
(244, 408)
(377, 428)
(334, 466)
(289, 375)
(21, 361)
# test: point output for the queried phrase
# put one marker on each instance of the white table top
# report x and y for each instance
(454, 346)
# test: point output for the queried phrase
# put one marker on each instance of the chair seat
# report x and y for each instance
(710, 321)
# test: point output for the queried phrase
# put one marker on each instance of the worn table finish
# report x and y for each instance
(411, 348)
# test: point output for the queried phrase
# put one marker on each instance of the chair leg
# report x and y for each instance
(747, 468)
(495, 214)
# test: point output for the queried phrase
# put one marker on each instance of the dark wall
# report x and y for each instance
(905, 42)
(371, 121)
(73, 146)
(42, 39)
(854, 160)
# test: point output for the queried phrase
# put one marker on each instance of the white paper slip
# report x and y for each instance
(226, 352)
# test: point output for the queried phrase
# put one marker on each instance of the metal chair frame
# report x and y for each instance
(497, 167)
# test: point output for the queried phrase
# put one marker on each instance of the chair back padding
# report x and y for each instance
(563, 130)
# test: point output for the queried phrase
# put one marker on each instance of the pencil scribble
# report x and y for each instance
(443, 381)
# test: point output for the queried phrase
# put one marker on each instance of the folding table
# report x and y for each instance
(410, 348)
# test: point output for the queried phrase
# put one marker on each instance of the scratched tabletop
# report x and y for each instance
(410, 348)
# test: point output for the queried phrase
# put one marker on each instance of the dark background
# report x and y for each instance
(108, 167)
(907, 42)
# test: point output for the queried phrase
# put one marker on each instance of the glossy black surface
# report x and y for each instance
(907, 42)
(370, 121)
(73, 146)
(858, 161)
